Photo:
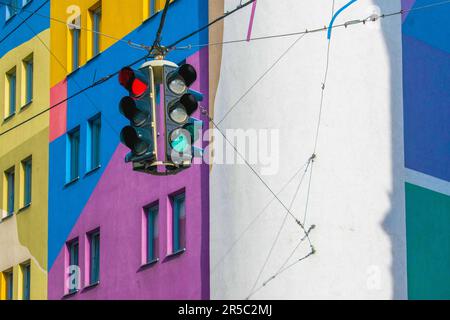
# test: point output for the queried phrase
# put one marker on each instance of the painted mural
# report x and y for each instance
(426, 79)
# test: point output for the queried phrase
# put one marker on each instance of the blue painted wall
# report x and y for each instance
(15, 31)
(426, 74)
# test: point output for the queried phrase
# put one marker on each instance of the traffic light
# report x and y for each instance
(180, 102)
(139, 108)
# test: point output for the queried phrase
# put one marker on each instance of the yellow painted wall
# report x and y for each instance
(23, 237)
(118, 19)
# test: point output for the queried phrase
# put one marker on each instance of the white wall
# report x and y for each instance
(357, 197)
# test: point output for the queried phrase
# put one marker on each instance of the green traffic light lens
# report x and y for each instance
(180, 140)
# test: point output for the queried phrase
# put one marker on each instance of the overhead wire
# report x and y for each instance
(313, 30)
(311, 163)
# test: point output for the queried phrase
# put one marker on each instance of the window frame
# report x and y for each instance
(76, 41)
(94, 252)
(28, 84)
(9, 14)
(11, 93)
(71, 245)
(9, 284)
(10, 191)
(71, 175)
(152, 233)
(178, 243)
(96, 20)
(27, 171)
(93, 154)
(26, 281)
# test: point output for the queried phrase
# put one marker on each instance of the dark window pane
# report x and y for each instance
(95, 258)
(179, 223)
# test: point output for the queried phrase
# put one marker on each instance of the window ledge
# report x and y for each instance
(150, 17)
(72, 182)
(91, 286)
(148, 265)
(93, 57)
(175, 254)
(7, 20)
(8, 118)
(24, 208)
(26, 105)
(70, 294)
(26, 4)
(9, 216)
(74, 71)
(92, 171)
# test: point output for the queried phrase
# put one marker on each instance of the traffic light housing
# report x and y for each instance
(139, 108)
(180, 103)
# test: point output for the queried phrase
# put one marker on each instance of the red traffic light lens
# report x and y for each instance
(138, 87)
(129, 80)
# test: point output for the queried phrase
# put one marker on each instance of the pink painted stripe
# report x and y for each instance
(58, 114)
(252, 18)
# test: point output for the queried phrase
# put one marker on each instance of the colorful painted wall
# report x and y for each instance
(112, 197)
(23, 235)
(426, 83)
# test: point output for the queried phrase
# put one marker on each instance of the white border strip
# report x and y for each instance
(428, 182)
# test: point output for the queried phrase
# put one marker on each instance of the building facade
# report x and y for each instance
(101, 212)
(24, 83)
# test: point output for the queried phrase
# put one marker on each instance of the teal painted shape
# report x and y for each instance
(428, 243)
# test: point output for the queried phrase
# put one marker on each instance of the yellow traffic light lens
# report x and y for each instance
(178, 114)
(177, 86)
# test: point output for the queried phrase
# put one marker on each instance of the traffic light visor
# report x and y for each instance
(182, 78)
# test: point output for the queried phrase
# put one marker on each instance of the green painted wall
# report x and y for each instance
(428, 243)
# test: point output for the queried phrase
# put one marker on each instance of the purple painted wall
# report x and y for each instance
(116, 208)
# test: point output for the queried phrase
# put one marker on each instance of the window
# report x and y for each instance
(152, 7)
(94, 261)
(11, 92)
(28, 64)
(96, 16)
(12, 7)
(8, 284)
(93, 146)
(75, 48)
(10, 176)
(74, 150)
(27, 174)
(73, 249)
(26, 281)
(152, 234)
(179, 223)
(25, 2)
